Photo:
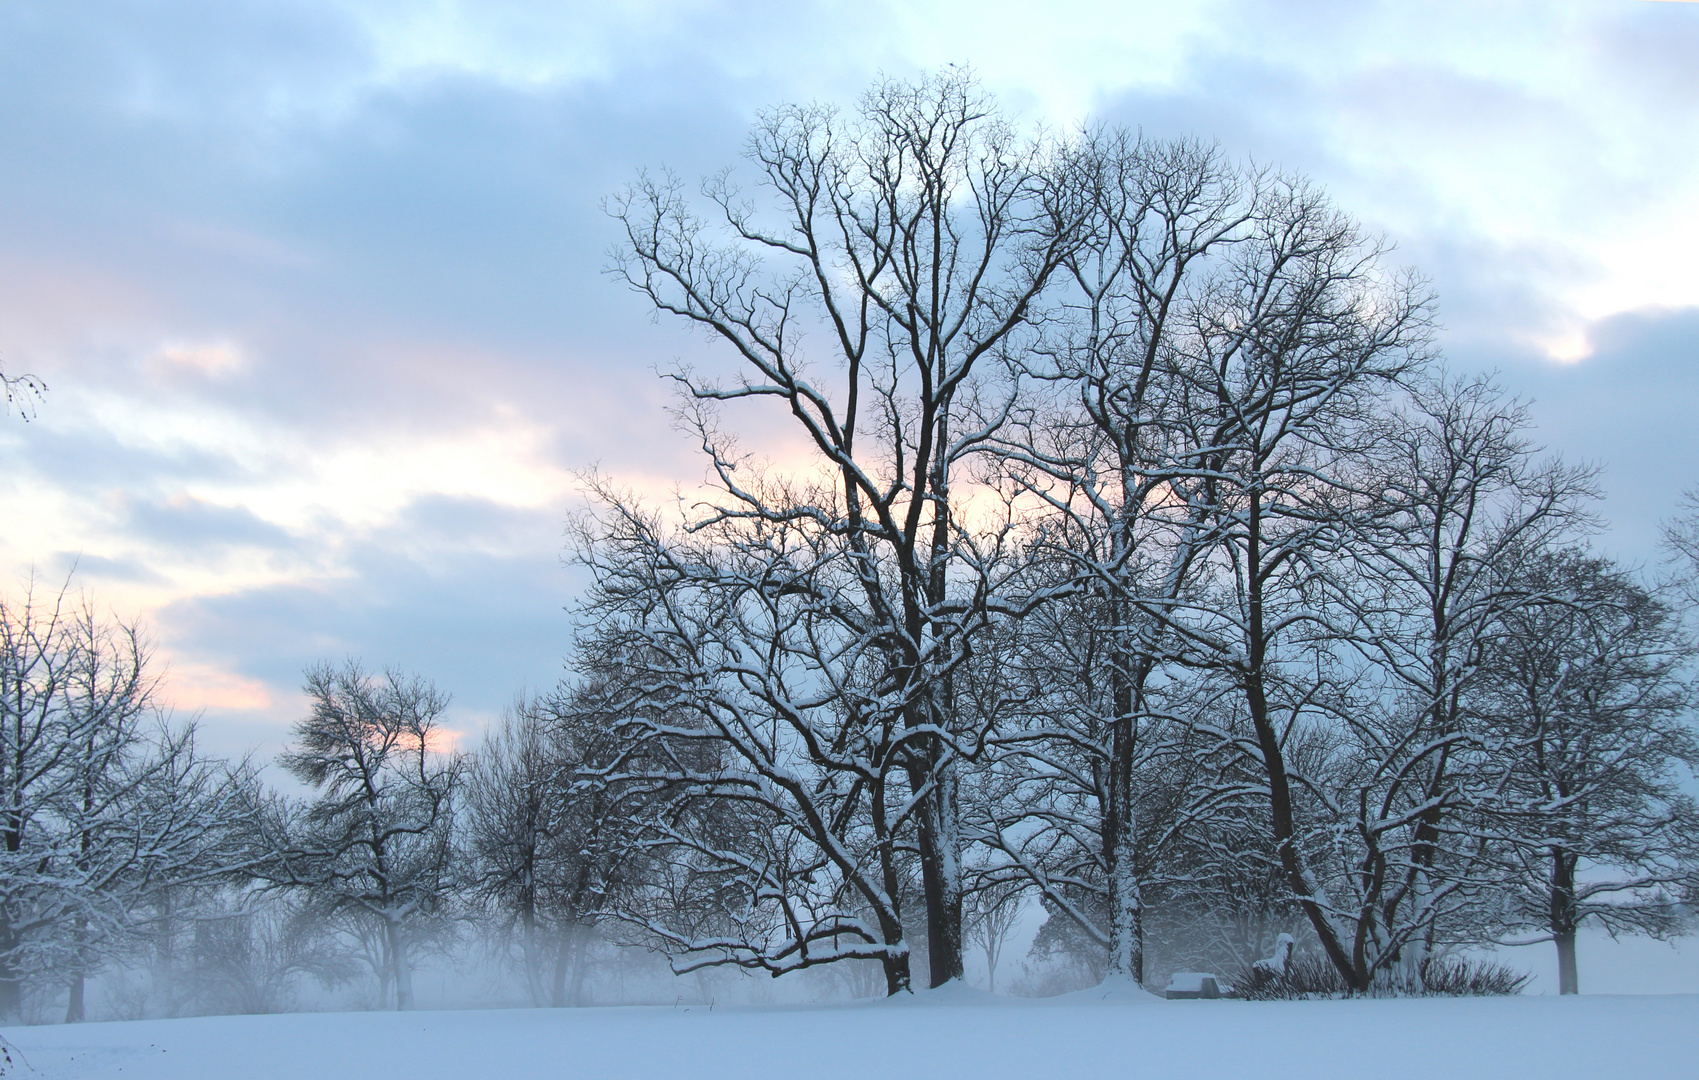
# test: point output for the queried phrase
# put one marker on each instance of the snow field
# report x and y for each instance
(936, 1036)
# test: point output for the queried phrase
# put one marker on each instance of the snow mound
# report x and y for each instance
(954, 992)
(1111, 991)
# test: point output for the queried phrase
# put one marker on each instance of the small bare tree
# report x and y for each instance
(1587, 706)
(991, 918)
(250, 956)
(102, 802)
(376, 843)
(549, 849)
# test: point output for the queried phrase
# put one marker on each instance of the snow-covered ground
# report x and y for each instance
(937, 1036)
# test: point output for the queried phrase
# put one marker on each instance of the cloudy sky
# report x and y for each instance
(317, 288)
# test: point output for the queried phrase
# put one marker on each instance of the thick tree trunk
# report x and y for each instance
(581, 932)
(1126, 923)
(1283, 826)
(940, 870)
(1563, 920)
(399, 966)
(11, 996)
(899, 977)
(563, 964)
(1568, 981)
(533, 960)
(1120, 827)
(74, 1010)
(78, 988)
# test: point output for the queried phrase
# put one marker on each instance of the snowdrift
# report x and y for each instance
(953, 1034)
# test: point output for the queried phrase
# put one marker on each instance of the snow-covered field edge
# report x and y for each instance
(936, 1035)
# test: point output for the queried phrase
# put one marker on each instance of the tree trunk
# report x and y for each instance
(1283, 826)
(580, 950)
(74, 1010)
(1568, 981)
(1120, 828)
(899, 977)
(1126, 922)
(399, 965)
(563, 963)
(1563, 920)
(533, 962)
(940, 870)
(11, 995)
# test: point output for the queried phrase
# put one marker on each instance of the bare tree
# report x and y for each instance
(1235, 338)
(1111, 468)
(1453, 505)
(910, 245)
(1587, 704)
(104, 802)
(375, 844)
(1291, 352)
(760, 757)
(991, 919)
(549, 850)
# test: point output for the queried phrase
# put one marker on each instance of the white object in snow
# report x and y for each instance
(1184, 985)
(1280, 964)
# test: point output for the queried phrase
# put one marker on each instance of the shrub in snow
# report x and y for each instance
(1310, 975)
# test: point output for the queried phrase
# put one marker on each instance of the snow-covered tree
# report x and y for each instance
(549, 850)
(909, 245)
(762, 762)
(375, 845)
(102, 801)
(1588, 710)
(1450, 504)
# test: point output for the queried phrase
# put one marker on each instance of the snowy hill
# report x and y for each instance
(934, 1036)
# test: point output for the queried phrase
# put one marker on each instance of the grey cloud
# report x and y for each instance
(1650, 48)
(483, 626)
(77, 566)
(89, 461)
(465, 521)
(184, 523)
(1629, 407)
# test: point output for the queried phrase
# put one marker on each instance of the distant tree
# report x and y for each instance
(1591, 720)
(1681, 546)
(102, 803)
(548, 851)
(991, 917)
(375, 844)
(249, 957)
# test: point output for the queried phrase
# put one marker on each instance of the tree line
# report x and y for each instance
(1145, 562)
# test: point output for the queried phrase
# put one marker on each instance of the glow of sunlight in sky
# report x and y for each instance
(317, 291)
